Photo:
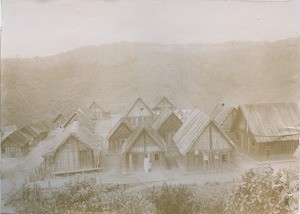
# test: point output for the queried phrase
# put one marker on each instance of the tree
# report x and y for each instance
(264, 190)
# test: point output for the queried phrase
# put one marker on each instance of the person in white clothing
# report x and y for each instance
(146, 164)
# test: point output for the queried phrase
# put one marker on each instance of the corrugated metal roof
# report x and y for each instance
(221, 112)
(136, 133)
(273, 121)
(19, 138)
(120, 122)
(162, 118)
(190, 130)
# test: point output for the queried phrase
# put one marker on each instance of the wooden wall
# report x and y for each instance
(211, 150)
(73, 155)
(10, 149)
(118, 137)
(135, 121)
(264, 151)
(144, 145)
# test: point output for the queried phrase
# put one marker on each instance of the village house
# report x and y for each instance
(82, 118)
(166, 125)
(224, 115)
(118, 135)
(35, 131)
(98, 113)
(7, 130)
(139, 112)
(143, 142)
(74, 150)
(268, 131)
(58, 121)
(14, 145)
(161, 104)
(203, 145)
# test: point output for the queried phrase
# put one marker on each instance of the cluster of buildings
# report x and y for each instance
(194, 140)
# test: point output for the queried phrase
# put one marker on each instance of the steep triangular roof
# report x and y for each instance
(162, 118)
(7, 130)
(163, 102)
(19, 138)
(98, 106)
(137, 132)
(138, 103)
(84, 135)
(119, 123)
(270, 122)
(82, 118)
(192, 128)
(58, 117)
(221, 112)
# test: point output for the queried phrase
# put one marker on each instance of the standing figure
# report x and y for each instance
(146, 164)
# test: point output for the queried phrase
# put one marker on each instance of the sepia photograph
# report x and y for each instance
(150, 106)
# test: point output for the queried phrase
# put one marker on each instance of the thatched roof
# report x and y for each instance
(36, 129)
(81, 117)
(18, 137)
(162, 102)
(162, 118)
(192, 128)
(221, 112)
(58, 117)
(95, 104)
(134, 136)
(57, 138)
(79, 132)
(119, 123)
(273, 121)
(7, 130)
(142, 105)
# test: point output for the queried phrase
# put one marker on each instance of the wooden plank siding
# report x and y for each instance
(144, 145)
(117, 139)
(211, 150)
(10, 149)
(263, 150)
(71, 156)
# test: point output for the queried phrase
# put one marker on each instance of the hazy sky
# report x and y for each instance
(46, 27)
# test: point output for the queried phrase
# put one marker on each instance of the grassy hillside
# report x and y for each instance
(191, 75)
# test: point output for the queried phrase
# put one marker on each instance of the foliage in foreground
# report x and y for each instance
(264, 190)
(80, 196)
(261, 190)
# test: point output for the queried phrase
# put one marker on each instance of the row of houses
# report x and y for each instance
(196, 141)
(17, 142)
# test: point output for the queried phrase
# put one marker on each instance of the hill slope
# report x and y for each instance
(199, 75)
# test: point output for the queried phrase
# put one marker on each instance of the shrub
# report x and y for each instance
(264, 190)
(175, 199)
(211, 198)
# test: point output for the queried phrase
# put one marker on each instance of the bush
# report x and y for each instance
(29, 200)
(264, 190)
(211, 198)
(80, 196)
(175, 199)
